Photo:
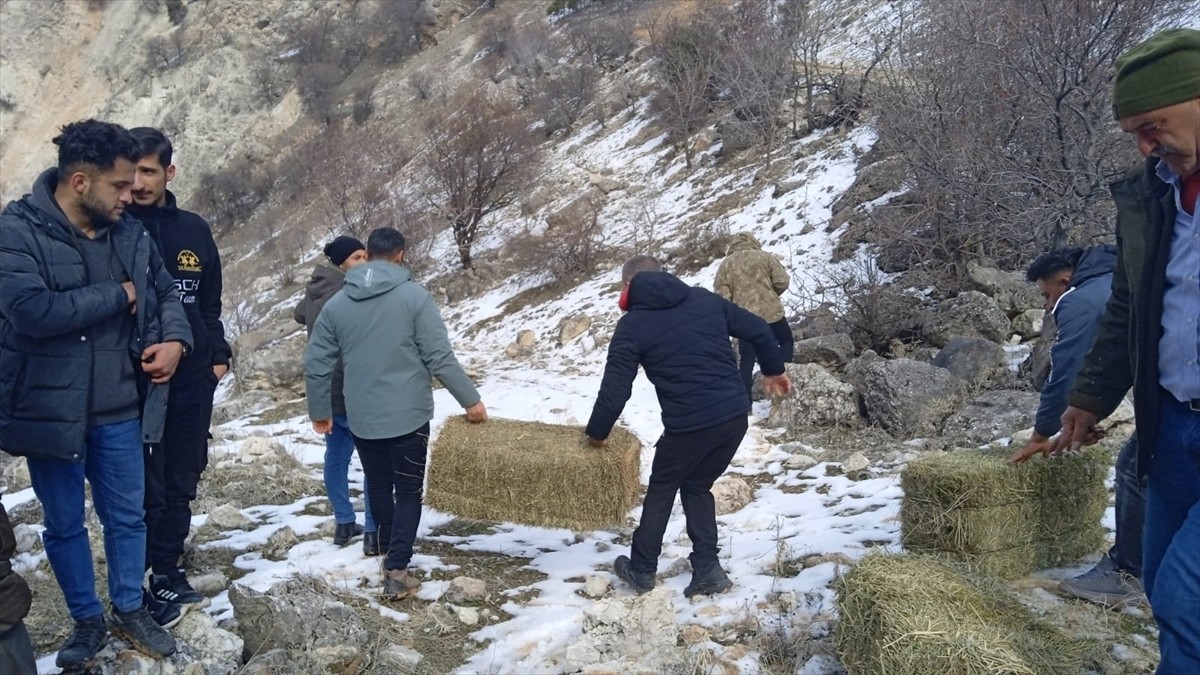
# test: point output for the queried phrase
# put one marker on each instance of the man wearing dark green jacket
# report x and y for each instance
(390, 337)
(1149, 338)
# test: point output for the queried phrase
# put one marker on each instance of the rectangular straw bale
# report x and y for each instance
(533, 473)
(975, 505)
(915, 614)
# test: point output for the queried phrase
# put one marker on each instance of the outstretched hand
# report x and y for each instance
(777, 385)
(1037, 445)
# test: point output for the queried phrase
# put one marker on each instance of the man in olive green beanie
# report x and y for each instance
(1149, 338)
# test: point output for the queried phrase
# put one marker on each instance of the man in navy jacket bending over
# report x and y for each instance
(680, 335)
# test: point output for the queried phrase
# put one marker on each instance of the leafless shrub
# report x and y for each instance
(573, 249)
(229, 196)
(349, 173)
(317, 86)
(685, 60)
(754, 68)
(564, 96)
(423, 84)
(164, 52)
(525, 46)
(266, 76)
(364, 105)
(602, 41)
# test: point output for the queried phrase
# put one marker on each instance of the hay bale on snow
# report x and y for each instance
(1007, 520)
(913, 615)
(533, 473)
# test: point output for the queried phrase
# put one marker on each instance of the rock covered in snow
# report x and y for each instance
(399, 659)
(595, 586)
(219, 650)
(628, 634)
(731, 494)
(799, 462)
(855, 464)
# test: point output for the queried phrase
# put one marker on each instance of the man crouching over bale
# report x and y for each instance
(390, 338)
(680, 335)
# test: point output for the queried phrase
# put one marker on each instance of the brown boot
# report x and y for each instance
(399, 584)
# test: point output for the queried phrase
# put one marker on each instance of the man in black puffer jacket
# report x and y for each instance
(174, 466)
(680, 335)
(90, 327)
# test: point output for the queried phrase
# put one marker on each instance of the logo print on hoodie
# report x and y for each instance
(188, 261)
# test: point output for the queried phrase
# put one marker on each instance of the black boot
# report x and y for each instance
(640, 581)
(708, 581)
(344, 532)
(82, 645)
(140, 629)
(370, 544)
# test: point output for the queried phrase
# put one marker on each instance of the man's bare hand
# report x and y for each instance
(777, 385)
(323, 427)
(1038, 445)
(131, 294)
(477, 413)
(595, 442)
(159, 361)
(1078, 429)
(219, 370)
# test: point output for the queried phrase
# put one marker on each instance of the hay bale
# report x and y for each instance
(533, 473)
(1007, 520)
(913, 615)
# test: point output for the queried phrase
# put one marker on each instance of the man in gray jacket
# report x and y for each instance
(390, 337)
(91, 331)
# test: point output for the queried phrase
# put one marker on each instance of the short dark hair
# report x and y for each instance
(151, 141)
(639, 263)
(1052, 262)
(94, 143)
(384, 242)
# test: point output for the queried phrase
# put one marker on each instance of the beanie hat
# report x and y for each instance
(1162, 71)
(341, 248)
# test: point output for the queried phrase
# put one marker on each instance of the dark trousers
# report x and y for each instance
(1170, 565)
(1130, 504)
(395, 469)
(687, 464)
(747, 356)
(16, 652)
(173, 469)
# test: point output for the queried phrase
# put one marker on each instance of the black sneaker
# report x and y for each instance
(370, 544)
(641, 582)
(165, 614)
(140, 629)
(708, 581)
(81, 647)
(174, 588)
(344, 532)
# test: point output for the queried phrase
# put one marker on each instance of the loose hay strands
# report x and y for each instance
(914, 615)
(533, 473)
(1005, 519)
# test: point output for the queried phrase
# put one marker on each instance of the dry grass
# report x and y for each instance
(913, 615)
(533, 473)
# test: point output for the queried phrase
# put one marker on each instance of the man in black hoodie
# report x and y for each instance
(680, 335)
(173, 467)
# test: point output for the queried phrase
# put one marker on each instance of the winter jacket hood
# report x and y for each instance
(1097, 261)
(374, 278)
(744, 241)
(656, 290)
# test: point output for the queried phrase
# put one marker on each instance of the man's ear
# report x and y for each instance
(399, 259)
(80, 182)
(170, 172)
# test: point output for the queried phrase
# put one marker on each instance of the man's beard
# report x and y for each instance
(97, 213)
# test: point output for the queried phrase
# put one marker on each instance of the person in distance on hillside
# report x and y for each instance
(1149, 337)
(343, 253)
(1076, 285)
(91, 320)
(390, 337)
(679, 335)
(753, 279)
(174, 466)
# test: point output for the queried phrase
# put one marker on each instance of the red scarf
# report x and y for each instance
(623, 303)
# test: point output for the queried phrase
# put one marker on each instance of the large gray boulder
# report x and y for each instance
(830, 351)
(908, 398)
(976, 361)
(818, 399)
(1008, 289)
(969, 314)
(271, 359)
(992, 415)
(299, 613)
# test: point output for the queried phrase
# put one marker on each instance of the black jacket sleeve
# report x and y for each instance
(746, 325)
(171, 315)
(210, 304)
(617, 384)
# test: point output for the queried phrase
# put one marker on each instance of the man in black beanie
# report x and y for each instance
(1149, 337)
(344, 252)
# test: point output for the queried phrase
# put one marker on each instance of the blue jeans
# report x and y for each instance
(1171, 556)
(112, 464)
(339, 447)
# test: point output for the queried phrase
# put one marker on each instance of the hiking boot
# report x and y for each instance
(174, 588)
(708, 581)
(1104, 584)
(165, 614)
(344, 532)
(370, 544)
(641, 582)
(140, 629)
(399, 584)
(81, 647)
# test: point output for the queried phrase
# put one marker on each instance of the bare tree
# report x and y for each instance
(476, 162)
(810, 26)
(754, 69)
(685, 57)
(351, 173)
(1001, 113)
